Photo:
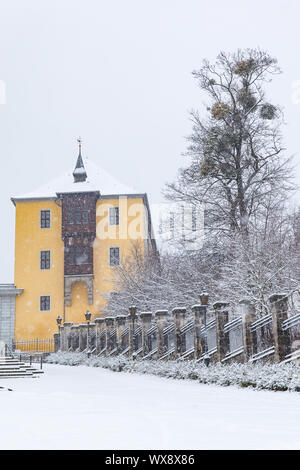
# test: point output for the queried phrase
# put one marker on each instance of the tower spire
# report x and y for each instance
(79, 172)
(79, 144)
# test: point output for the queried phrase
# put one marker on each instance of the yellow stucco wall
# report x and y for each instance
(31, 239)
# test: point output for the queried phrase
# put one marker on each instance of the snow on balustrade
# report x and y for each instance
(152, 339)
(187, 332)
(294, 303)
(263, 338)
(112, 339)
(137, 339)
(234, 329)
(125, 339)
(211, 335)
(169, 338)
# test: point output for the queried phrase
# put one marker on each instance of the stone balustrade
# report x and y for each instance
(214, 340)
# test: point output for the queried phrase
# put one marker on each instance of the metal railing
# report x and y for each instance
(45, 345)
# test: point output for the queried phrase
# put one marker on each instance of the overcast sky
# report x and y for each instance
(118, 73)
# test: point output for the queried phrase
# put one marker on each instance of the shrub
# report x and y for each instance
(259, 376)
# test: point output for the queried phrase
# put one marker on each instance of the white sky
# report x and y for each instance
(118, 73)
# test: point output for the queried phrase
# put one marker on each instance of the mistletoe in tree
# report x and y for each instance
(237, 158)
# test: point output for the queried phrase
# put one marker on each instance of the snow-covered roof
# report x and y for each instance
(97, 180)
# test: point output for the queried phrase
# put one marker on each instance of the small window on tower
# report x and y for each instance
(45, 219)
(113, 216)
(71, 216)
(85, 255)
(78, 215)
(45, 259)
(44, 303)
(85, 216)
(114, 256)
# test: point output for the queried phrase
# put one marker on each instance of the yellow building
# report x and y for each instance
(69, 236)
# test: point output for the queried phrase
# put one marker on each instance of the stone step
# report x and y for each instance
(5, 377)
(16, 374)
(11, 367)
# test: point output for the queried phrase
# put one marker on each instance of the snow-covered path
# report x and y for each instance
(93, 408)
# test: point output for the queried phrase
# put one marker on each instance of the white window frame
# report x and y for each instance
(110, 209)
(114, 265)
(45, 295)
(40, 261)
(45, 228)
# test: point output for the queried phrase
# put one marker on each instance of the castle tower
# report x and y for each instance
(71, 234)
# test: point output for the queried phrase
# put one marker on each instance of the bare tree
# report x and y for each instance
(237, 158)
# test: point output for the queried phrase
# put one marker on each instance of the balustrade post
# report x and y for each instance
(199, 312)
(82, 336)
(146, 319)
(120, 327)
(279, 309)
(67, 331)
(109, 323)
(222, 338)
(92, 333)
(61, 338)
(179, 318)
(248, 317)
(56, 342)
(132, 320)
(99, 327)
(161, 318)
(74, 337)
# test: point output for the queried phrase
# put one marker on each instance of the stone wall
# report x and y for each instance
(8, 294)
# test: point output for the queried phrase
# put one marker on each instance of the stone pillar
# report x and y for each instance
(61, 338)
(67, 332)
(120, 321)
(91, 332)
(74, 337)
(82, 336)
(279, 309)
(199, 312)
(99, 327)
(179, 318)
(161, 318)
(132, 320)
(110, 326)
(146, 319)
(248, 317)
(56, 342)
(221, 337)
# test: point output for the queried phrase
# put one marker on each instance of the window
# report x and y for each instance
(85, 255)
(113, 216)
(45, 260)
(85, 216)
(71, 216)
(82, 255)
(45, 218)
(114, 256)
(78, 215)
(44, 303)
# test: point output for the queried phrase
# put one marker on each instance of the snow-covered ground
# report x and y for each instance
(93, 408)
